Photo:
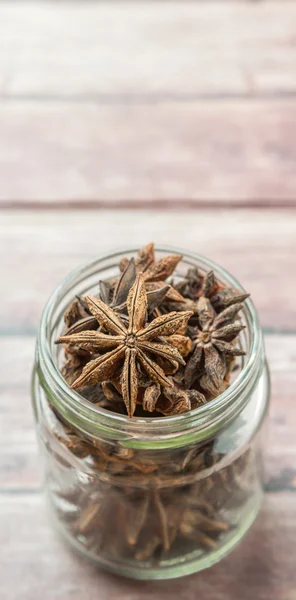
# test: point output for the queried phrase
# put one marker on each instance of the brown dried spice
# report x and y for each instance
(209, 350)
(211, 344)
(127, 349)
(133, 345)
(152, 520)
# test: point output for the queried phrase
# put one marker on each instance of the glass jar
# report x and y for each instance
(151, 498)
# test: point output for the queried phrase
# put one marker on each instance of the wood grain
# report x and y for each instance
(148, 49)
(231, 152)
(38, 249)
(262, 567)
(20, 466)
(134, 103)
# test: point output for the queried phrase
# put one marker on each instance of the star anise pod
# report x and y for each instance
(153, 270)
(171, 400)
(155, 275)
(118, 300)
(227, 296)
(163, 268)
(195, 285)
(78, 317)
(210, 285)
(125, 349)
(75, 312)
(73, 366)
(212, 343)
(145, 258)
(191, 285)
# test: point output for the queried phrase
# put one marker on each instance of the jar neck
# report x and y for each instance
(93, 421)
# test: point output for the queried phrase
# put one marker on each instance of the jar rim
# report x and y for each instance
(90, 416)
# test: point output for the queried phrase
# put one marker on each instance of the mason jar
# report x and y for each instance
(151, 498)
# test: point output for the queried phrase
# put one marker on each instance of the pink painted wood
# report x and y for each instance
(230, 152)
(257, 246)
(181, 50)
(111, 103)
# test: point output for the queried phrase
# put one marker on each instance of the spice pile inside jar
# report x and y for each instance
(150, 344)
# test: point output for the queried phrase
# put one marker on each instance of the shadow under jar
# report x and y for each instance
(151, 498)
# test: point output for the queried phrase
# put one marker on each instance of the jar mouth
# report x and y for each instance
(90, 417)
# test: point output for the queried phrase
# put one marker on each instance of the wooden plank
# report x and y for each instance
(21, 468)
(281, 449)
(232, 152)
(39, 248)
(157, 49)
(35, 564)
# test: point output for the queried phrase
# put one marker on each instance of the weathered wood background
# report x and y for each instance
(120, 123)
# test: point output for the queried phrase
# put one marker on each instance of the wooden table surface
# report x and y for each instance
(122, 123)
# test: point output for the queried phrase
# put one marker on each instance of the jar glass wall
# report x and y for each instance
(158, 497)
